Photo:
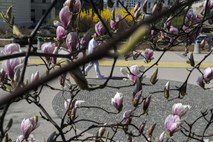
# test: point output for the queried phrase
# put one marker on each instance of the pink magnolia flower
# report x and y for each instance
(208, 74)
(148, 54)
(65, 16)
(28, 125)
(172, 123)
(134, 73)
(72, 41)
(127, 116)
(180, 109)
(60, 33)
(12, 66)
(115, 22)
(48, 47)
(11, 48)
(117, 101)
(75, 5)
(173, 30)
(22, 139)
(99, 29)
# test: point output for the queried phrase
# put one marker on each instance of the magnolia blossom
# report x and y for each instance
(72, 41)
(127, 116)
(180, 109)
(11, 48)
(12, 66)
(29, 139)
(172, 123)
(117, 101)
(48, 47)
(113, 24)
(208, 74)
(133, 73)
(65, 16)
(148, 54)
(99, 29)
(60, 33)
(75, 5)
(28, 125)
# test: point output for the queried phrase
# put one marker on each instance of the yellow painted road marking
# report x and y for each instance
(139, 63)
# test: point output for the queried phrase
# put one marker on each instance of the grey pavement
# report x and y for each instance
(22, 109)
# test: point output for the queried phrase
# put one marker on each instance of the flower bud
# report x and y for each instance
(11, 48)
(166, 90)
(153, 78)
(161, 137)
(136, 98)
(127, 116)
(60, 33)
(65, 16)
(150, 130)
(99, 29)
(182, 89)
(146, 104)
(148, 54)
(117, 101)
(141, 128)
(101, 131)
(11, 66)
(208, 74)
(34, 76)
(74, 5)
(72, 41)
(28, 125)
(48, 47)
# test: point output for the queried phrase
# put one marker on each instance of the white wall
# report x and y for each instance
(21, 11)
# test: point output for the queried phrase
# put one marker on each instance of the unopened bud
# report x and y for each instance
(191, 60)
(141, 128)
(182, 89)
(146, 104)
(154, 76)
(200, 82)
(150, 130)
(136, 98)
(101, 131)
(166, 90)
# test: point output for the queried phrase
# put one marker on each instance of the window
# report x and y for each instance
(149, 5)
(43, 11)
(130, 3)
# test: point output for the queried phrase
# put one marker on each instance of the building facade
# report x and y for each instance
(22, 15)
(38, 8)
